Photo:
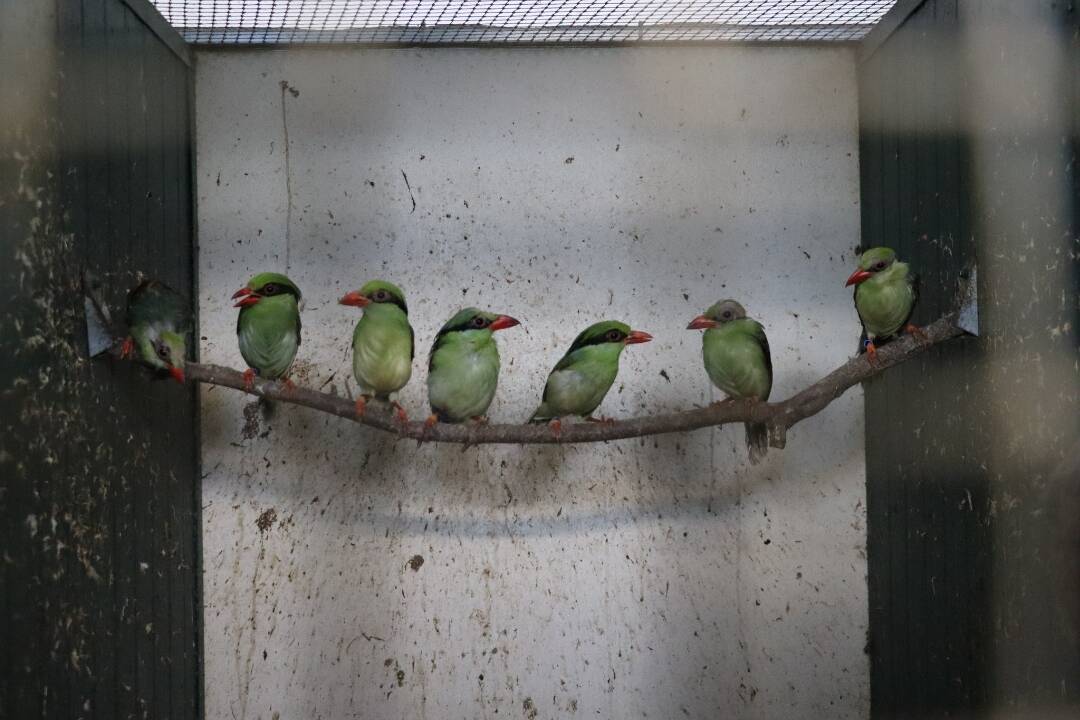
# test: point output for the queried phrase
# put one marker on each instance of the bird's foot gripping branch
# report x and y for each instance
(778, 417)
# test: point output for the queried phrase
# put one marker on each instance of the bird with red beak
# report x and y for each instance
(885, 296)
(268, 326)
(463, 367)
(382, 343)
(581, 379)
(158, 321)
(738, 362)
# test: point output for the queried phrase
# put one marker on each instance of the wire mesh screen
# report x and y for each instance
(435, 22)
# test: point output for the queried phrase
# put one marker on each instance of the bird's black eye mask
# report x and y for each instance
(271, 289)
(614, 336)
(476, 322)
(385, 296)
(162, 350)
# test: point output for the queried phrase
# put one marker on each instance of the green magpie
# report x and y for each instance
(580, 380)
(158, 322)
(268, 326)
(885, 295)
(463, 367)
(737, 360)
(382, 343)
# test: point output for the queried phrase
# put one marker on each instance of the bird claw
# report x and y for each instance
(428, 424)
(400, 415)
(603, 420)
(556, 428)
(249, 380)
(287, 385)
(871, 353)
(479, 419)
(920, 336)
(361, 406)
(127, 348)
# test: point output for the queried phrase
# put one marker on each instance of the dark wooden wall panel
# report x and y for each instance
(967, 615)
(99, 458)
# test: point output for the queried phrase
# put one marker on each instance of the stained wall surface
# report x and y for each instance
(99, 488)
(349, 575)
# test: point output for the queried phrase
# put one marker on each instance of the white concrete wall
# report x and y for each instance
(659, 577)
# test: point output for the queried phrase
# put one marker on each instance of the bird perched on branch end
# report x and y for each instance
(738, 361)
(580, 380)
(885, 295)
(158, 322)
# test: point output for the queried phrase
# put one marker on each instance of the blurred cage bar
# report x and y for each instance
(515, 22)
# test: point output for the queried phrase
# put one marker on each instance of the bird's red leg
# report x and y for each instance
(428, 424)
(480, 419)
(361, 406)
(400, 414)
(249, 380)
(288, 384)
(556, 428)
(603, 420)
(917, 331)
(127, 348)
(871, 353)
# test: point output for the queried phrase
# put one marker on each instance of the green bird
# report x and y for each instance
(268, 327)
(885, 295)
(580, 380)
(382, 342)
(737, 359)
(463, 368)
(158, 322)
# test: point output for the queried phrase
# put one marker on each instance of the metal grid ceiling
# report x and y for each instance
(435, 22)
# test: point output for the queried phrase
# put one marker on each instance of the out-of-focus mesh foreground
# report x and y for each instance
(438, 22)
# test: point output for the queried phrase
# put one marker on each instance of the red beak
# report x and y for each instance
(177, 374)
(858, 276)
(248, 295)
(354, 298)
(502, 322)
(701, 323)
(637, 336)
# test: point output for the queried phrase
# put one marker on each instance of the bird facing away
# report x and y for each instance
(463, 368)
(158, 323)
(580, 380)
(885, 295)
(382, 343)
(737, 359)
(268, 327)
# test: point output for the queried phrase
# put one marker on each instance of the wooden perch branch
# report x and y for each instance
(779, 416)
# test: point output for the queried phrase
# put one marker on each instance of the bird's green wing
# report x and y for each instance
(763, 341)
(269, 334)
(155, 302)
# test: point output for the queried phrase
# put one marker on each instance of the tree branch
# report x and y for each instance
(779, 416)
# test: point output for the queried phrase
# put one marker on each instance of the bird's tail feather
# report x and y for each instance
(757, 441)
